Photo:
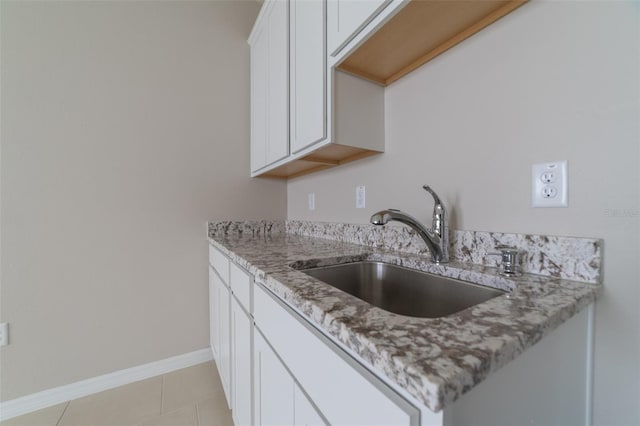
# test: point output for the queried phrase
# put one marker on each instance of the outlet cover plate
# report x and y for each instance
(549, 184)
(4, 334)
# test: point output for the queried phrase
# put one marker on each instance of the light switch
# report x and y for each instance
(312, 201)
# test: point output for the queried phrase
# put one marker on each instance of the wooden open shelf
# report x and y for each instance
(330, 155)
(422, 30)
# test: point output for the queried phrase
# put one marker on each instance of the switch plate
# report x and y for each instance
(360, 197)
(4, 334)
(549, 184)
(312, 201)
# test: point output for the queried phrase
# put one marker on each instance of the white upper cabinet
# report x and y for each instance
(308, 85)
(259, 83)
(269, 85)
(294, 33)
(309, 111)
(278, 110)
(345, 19)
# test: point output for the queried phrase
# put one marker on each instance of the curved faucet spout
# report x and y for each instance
(437, 238)
(385, 216)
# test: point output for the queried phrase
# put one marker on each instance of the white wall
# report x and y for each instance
(552, 81)
(125, 127)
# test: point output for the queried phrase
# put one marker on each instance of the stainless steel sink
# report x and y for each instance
(403, 291)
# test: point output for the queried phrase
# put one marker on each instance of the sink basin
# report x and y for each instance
(403, 291)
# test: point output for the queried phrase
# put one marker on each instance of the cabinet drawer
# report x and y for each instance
(220, 263)
(344, 391)
(241, 286)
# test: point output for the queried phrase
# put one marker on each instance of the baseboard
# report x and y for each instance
(47, 398)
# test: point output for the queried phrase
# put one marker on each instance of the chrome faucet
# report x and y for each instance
(437, 238)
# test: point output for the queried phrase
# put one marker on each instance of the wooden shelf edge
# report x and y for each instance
(359, 156)
(313, 159)
(312, 163)
(309, 171)
(361, 74)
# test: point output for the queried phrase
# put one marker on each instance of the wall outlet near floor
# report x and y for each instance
(312, 201)
(4, 334)
(360, 197)
(549, 184)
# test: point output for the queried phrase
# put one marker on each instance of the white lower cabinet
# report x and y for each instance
(214, 312)
(343, 391)
(279, 400)
(277, 369)
(224, 365)
(231, 332)
(273, 386)
(220, 317)
(242, 332)
(305, 413)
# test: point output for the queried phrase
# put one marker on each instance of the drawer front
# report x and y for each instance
(241, 286)
(343, 391)
(220, 263)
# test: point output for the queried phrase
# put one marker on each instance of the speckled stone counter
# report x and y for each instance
(434, 360)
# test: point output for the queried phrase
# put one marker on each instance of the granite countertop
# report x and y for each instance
(434, 360)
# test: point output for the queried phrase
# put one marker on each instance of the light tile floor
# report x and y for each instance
(189, 397)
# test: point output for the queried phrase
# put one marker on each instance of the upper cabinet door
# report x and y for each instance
(278, 59)
(270, 85)
(345, 19)
(308, 97)
(259, 87)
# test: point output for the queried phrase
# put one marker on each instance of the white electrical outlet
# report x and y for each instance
(360, 197)
(549, 184)
(4, 334)
(312, 201)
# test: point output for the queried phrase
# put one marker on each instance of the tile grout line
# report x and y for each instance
(63, 412)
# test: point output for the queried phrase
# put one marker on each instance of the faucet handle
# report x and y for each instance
(439, 221)
(436, 199)
(511, 265)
